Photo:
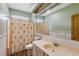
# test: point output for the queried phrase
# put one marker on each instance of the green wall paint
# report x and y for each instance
(4, 12)
(18, 13)
(25, 14)
(4, 9)
(61, 20)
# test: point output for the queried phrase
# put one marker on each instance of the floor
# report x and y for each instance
(22, 53)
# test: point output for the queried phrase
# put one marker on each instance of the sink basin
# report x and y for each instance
(50, 46)
(47, 46)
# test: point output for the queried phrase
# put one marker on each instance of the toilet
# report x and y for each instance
(29, 49)
(29, 46)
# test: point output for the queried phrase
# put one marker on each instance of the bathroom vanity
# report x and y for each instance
(48, 47)
(38, 52)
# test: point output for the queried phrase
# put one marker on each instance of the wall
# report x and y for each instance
(40, 18)
(61, 20)
(2, 26)
(35, 18)
(4, 12)
(18, 13)
(31, 16)
(4, 9)
(3, 45)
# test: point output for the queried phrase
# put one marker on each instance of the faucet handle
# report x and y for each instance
(56, 44)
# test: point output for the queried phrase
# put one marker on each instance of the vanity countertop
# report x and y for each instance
(61, 50)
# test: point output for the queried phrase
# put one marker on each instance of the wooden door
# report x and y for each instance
(75, 27)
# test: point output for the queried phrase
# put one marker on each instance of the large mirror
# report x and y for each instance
(61, 22)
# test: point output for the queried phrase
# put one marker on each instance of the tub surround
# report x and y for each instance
(62, 49)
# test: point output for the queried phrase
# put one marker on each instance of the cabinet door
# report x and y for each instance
(39, 52)
(34, 50)
(75, 27)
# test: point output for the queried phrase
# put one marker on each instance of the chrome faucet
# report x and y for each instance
(55, 44)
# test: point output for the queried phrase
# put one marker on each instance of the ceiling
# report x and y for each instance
(42, 9)
(26, 7)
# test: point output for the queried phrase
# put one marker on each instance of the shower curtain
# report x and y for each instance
(42, 28)
(20, 33)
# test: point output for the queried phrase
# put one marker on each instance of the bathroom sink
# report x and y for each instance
(47, 46)
(50, 46)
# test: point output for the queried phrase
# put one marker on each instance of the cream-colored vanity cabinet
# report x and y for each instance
(34, 50)
(37, 51)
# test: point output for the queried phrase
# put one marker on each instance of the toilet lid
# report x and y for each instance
(29, 46)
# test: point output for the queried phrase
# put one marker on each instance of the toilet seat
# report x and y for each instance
(29, 46)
